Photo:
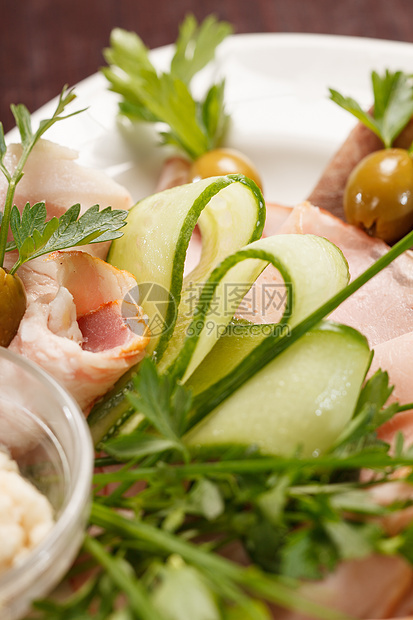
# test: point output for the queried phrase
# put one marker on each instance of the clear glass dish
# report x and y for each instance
(43, 429)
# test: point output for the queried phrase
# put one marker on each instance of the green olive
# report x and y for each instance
(224, 161)
(12, 306)
(379, 194)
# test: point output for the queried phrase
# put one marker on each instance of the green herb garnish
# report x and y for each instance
(32, 235)
(295, 517)
(194, 126)
(392, 109)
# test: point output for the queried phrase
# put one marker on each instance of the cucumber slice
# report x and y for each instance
(301, 400)
(238, 340)
(112, 411)
(230, 212)
(313, 270)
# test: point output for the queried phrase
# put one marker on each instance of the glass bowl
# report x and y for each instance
(45, 432)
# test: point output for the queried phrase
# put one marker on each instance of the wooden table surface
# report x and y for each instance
(47, 43)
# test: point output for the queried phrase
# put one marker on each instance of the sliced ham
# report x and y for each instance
(276, 216)
(373, 587)
(52, 175)
(175, 171)
(383, 308)
(81, 323)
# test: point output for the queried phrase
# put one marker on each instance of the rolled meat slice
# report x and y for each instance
(53, 176)
(82, 324)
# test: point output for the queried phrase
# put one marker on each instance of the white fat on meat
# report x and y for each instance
(53, 176)
(81, 324)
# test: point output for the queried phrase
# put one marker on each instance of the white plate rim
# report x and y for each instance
(290, 155)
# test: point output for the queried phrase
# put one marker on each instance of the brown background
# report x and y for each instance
(47, 43)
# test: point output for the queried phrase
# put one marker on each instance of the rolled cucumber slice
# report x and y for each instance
(230, 212)
(312, 270)
(316, 271)
(301, 400)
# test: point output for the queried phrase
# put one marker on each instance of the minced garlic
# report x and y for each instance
(26, 515)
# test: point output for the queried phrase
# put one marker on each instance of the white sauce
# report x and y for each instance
(26, 515)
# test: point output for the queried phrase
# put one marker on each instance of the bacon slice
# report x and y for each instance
(52, 175)
(81, 323)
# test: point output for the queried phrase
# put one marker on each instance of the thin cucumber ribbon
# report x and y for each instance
(230, 213)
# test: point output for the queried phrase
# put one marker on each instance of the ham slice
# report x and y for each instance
(81, 323)
(383, 309)
(276, 216)
(52, 175)
(369, 588)
(175, 171)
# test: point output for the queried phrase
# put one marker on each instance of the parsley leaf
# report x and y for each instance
(393, 105)
(28, 140)
(369, 415)
(193, 127)
(33, 236)
(295, 517)
(165, 406)
(33, 218)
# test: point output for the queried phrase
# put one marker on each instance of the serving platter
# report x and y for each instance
(277, 97)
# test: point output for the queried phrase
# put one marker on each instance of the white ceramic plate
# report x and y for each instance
(277, 95)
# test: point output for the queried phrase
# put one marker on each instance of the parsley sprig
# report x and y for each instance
(193, 127)
(32, 234)
(294, 517)
(165, 406)
(392, 109)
